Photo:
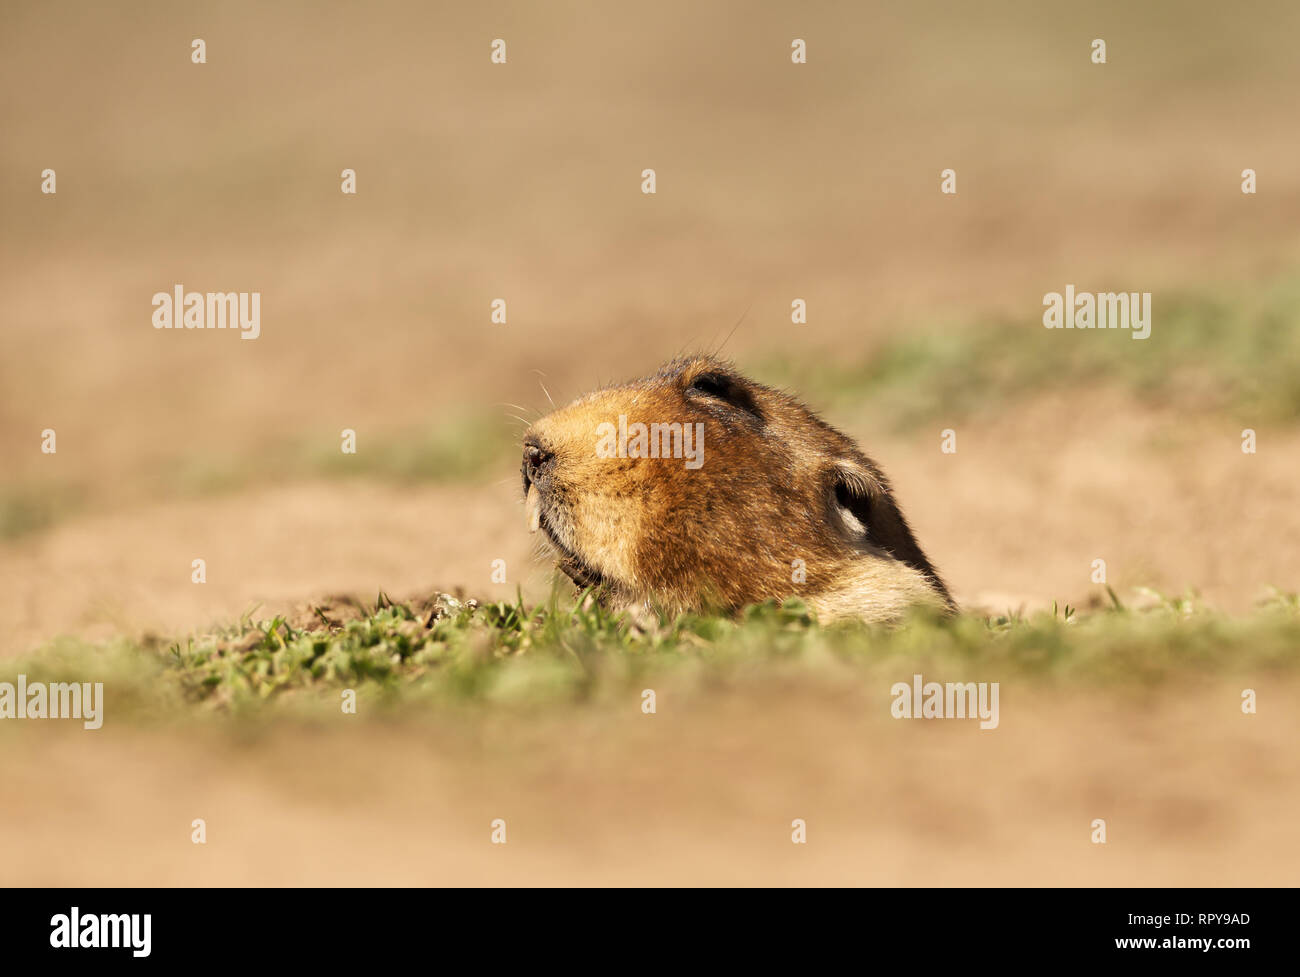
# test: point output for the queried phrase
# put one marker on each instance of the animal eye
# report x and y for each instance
(720, 387)
(712, 385)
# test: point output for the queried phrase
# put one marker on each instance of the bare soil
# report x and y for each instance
(704, 792)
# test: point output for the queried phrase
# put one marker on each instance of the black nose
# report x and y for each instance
(535, 459)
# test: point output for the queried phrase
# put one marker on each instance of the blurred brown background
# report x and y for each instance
(522, 181)
(478, 181)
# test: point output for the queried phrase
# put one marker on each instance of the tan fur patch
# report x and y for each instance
(777, 504)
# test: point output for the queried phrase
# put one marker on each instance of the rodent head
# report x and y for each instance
(697, 488)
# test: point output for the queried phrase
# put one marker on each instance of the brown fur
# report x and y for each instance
(777, 485)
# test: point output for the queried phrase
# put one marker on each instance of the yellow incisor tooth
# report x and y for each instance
(533, 506)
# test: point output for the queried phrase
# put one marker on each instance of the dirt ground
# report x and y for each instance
(522, 181)
(1014, 519)
(704, 792)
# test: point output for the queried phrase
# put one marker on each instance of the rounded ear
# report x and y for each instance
(861, 498)
(854, 494)
(861, 502)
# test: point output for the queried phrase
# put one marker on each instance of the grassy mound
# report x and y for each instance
(442, 651)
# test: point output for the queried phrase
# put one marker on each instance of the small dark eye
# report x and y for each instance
(712, 385)
(719, 386)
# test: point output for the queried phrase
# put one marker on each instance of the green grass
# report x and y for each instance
(442, 652)
(34, 508)
(451, 451)
(1208, 352)
(454, 450)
